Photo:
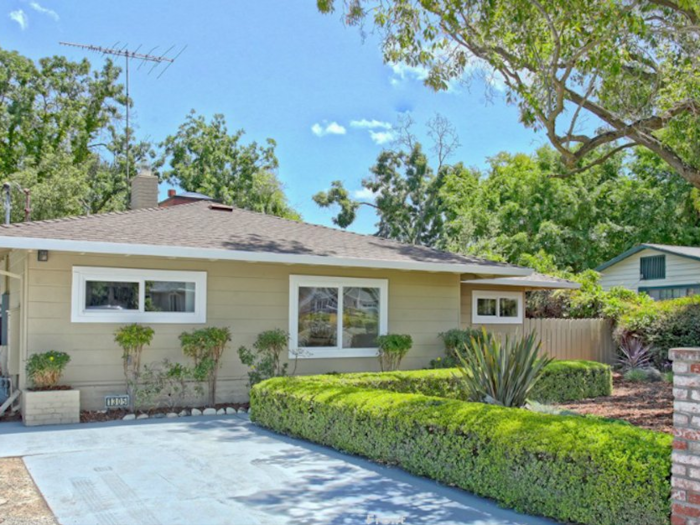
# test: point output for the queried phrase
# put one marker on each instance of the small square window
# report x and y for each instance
(491, 307)
(653, 267)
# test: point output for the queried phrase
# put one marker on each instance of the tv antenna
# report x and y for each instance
(128, 56)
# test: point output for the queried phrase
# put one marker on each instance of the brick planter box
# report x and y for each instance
(52, 407)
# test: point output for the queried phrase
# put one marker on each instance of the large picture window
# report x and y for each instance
(118, 295)
(336, 317)
(497, 307)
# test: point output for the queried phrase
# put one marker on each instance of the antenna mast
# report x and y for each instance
(128, 56)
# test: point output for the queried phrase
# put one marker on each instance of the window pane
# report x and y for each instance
(318, 317)
(653, 267)
(169, 296)
(486, 307)
(509, 307)
(106, 295)
(360, 317)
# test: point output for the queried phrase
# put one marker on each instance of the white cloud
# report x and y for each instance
(44, 10)
(20, 17)
(364, 194)
(381, 137)
(321, 130)
(370, 124)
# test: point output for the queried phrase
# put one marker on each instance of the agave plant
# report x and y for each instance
(501, 373)
(634, 354)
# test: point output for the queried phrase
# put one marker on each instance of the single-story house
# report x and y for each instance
(68, 284)
(660, 270)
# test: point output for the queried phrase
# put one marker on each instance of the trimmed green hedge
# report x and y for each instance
(573, 469)
(572, 380)
(562, 381)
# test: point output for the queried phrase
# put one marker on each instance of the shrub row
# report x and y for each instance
(562, 381)
(569, 468)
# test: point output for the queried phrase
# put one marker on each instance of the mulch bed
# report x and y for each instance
(91, 416)
(647, 405)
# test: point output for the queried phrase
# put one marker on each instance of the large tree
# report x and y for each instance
(204, 157)
(597, 76)
(404, 186)
(60, 136)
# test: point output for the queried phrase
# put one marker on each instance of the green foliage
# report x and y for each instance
(588, 302)
(455, 341)
(392, 349)
(265, 360)
(632, 71)
(206, 346)
(501, 373)
(59, 136)
(132, 339)
(663, 325)
(636, 375)
(167, 382)
(563, 381)
(44, 369)
(204, 157)
(572, 469)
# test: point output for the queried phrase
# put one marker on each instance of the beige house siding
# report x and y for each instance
(466, 308)
(247, 297)
(679, 271)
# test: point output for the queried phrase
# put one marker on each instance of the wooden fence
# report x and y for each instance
(589, 339)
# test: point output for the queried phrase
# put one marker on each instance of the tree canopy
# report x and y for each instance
(204, 157)
(518, 211)
(57, 119)
(597, 76)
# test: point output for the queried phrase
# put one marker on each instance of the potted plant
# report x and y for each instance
(46, 402)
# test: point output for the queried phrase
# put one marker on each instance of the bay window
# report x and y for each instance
(336, 317)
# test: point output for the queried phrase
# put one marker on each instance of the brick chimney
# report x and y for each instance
(144, 190)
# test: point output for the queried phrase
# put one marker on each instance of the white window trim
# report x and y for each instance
(82, 274)
(489, 319)
(295, 281)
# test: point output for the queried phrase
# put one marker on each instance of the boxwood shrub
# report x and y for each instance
(569, 468)
(562, 381)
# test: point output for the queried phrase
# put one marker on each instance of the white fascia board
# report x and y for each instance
(34, 243)
(525, 283)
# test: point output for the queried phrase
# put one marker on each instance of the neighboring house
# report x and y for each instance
(70, 283)
(662, 271)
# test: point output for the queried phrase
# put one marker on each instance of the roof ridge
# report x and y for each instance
(368, 235)
(58, 220)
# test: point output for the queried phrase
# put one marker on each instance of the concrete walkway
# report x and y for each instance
(211, 471)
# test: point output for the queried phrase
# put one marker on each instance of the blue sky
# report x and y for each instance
(276, 68)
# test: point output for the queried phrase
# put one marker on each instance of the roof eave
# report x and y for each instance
(524, 283)
(35, 243)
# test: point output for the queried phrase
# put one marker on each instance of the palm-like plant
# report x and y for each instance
(501, 373)
(634, 354)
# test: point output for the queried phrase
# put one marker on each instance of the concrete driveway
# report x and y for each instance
(225, 470)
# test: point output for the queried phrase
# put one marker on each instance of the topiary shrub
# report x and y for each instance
(392, 349)
(564, 381)
(572, 469)
(206, 346)
(133, 339)
(561, 381)
(45, 369)
(265, 360)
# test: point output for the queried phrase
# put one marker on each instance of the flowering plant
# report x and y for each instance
(45, 369)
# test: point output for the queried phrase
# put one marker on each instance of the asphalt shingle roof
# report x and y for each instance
(207, 226)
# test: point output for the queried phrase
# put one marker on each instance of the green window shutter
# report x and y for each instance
(653, 267)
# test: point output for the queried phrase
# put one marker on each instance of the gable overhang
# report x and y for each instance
(640, 248)
(62, 245)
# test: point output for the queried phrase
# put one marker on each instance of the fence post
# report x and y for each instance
(685, 464)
